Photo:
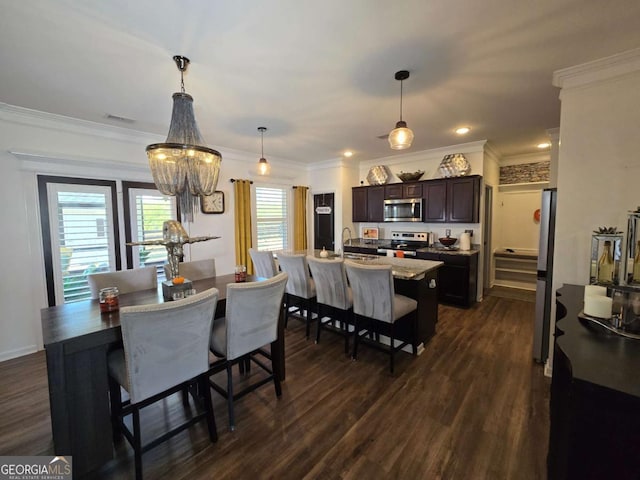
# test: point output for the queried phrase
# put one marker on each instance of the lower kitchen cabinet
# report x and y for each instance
(458, 277)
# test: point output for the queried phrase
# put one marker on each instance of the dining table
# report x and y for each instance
(77, 338)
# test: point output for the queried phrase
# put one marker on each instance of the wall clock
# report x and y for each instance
(212, 203)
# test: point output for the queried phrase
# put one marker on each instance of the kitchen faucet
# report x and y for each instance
(342, 238)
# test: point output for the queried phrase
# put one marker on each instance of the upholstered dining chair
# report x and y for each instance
(250, 324)
(195, 270)
(376, 304)
(165, 350)
(334, 297)
(126, 280)
(264, 263)
(301, 288)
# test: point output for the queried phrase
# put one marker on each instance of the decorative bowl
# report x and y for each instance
(448, 241)
(410, 176)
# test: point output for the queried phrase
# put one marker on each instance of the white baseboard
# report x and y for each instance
(18, 352)
(548, 369)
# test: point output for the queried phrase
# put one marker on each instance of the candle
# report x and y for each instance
(594, 291)
(598, 306)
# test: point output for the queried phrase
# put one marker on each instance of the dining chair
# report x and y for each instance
(252, 313)
(334, 297)
(264, 263)
(194, 270)
(165, 350)
(126, 280)
(376, 305)
(301, 288)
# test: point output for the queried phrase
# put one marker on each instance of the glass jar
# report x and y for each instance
(241, 273)
(636, 265)
(109, 300)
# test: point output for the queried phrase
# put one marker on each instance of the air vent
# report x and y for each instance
(119, 119)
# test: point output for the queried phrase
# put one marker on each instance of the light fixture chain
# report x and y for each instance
(401, 100)
(182, 82)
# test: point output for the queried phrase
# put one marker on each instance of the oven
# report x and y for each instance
(404, 244)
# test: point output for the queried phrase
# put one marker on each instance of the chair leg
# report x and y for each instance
(319, 323)
(208, 407)
(232, 425)
(356, 336)
(393, 350)
(137, 442)
(115, 399)
(286, 310)
(415, 335)
(307, 316)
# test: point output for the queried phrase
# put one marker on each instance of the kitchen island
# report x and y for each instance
(417, 279)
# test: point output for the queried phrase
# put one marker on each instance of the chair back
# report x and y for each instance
(331, 282)
(166, 344)
(299, 283)
(252, 313)
(264, 263)
(126, 280)
(195, 270)
(373, 292)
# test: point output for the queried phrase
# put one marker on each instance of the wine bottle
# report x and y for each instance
(605, 264)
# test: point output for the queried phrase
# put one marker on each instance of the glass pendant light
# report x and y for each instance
(263, 166)
(184, 166)
(401, 136)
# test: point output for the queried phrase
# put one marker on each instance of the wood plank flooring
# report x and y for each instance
(472, 406)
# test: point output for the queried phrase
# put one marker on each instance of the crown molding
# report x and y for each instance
(598, 70)
(333, 163)
(535, 157)
(52, 121)
(435, 153)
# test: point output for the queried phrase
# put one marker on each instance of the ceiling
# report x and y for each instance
(318, 75)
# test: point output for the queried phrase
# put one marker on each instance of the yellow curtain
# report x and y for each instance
(242, 193)
(300, 217)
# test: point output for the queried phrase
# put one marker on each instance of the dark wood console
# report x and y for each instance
(595, 399)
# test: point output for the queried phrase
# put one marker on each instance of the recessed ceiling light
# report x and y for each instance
(348, 153)
(462, 130)
(544, 145)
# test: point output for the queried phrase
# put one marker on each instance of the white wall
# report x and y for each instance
(50, 144)
(598, 166)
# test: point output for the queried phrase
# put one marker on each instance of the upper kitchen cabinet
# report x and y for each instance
(403, 190)
(368, 204)
(452, 200)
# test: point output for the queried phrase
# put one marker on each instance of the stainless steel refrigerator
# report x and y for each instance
(544, 285)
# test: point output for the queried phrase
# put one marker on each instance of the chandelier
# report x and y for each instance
(263, 166)
(401, 136)
(183, 166)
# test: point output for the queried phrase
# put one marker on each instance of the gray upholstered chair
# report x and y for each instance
(301, 288)
(250, 324)
(376, 304)
(195, 270)
(264, 263)
(334, 297)
(126, 280)
(165, 350)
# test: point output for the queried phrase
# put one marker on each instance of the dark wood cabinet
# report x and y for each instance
(452, 200)
(446, 200)
(458, 277)
(463, 199)
(368, 204)
(435, 201)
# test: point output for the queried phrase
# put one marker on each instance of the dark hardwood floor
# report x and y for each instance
(472, 406)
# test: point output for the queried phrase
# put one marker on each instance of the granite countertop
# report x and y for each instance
(374, 244)
(402, 268)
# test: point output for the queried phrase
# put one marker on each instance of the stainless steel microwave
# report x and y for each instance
(403, 210)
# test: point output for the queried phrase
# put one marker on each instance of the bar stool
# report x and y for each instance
(301, 288)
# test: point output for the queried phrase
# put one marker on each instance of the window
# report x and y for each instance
(79, 231)
(271, 218)
(146, 209)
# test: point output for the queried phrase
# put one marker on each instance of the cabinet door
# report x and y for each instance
(463, 200)
(454, 284)
(435, 199)
(393, 191)
(359, 204)
(375, 204)
(412, 190)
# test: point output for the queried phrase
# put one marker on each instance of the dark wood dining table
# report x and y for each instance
(77, 338)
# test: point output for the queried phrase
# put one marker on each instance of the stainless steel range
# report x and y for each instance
(406, 242)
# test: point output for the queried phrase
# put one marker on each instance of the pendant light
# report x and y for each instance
(263, 166)
(184, 166)
(401, 136)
